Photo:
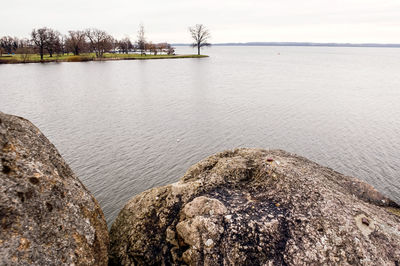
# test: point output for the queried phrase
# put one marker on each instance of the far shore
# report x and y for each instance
(35, 58)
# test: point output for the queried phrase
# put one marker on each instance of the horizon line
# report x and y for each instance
(326, 44)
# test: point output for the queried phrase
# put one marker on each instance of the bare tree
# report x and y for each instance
(141, 42)
(62, 45)
(76, 41)
(200, 35)
(162, 47)
(25, 42)
(100, 41)
(125, 45)
(25, 53)
(39, 37)
(151, 47)
(170, 49)
(9, 44)
(52, 41)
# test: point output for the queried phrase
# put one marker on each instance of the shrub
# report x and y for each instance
(79, 58)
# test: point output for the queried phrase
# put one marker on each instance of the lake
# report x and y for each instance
(127, 126)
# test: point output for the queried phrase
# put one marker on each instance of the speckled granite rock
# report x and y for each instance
(47, 216)
(258, 207)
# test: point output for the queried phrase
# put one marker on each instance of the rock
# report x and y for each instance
(47, 216)
(240, 207)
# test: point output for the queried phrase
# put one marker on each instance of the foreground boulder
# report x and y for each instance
(258, 207)
(47, 216)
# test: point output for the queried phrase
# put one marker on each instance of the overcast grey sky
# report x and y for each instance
(356, 21)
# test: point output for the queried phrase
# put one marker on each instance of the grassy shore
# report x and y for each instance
(35, 58)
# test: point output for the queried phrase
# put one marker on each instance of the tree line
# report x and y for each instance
(49, 41)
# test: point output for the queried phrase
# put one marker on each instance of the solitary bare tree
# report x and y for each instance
(200, 35)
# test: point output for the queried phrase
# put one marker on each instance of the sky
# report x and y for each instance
(340, 21)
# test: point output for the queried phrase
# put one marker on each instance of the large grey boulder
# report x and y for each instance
(47, 216)
(258, 207)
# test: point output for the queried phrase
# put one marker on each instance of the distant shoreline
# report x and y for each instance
(18, 59)
(307, 44)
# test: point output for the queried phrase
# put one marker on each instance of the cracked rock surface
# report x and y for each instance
(258, 207)
(47, 216)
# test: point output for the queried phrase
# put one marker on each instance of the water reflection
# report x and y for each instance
(117, 123)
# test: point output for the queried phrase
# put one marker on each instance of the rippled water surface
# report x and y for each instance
(126, 126)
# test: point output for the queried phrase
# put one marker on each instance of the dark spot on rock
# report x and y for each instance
(270, 160)
(49, 207)
(281, 245)
(396, 263)
(20, 195)
(29, 194)
(365, 221)
(57, 191)
(297, 221)
(34, 180)
(6, 169)
(8, 217)
(320, 229)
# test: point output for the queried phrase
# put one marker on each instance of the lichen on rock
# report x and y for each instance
(258, 207)
(47, 216)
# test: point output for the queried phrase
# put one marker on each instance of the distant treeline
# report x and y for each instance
(49, 41)
(301, 44)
